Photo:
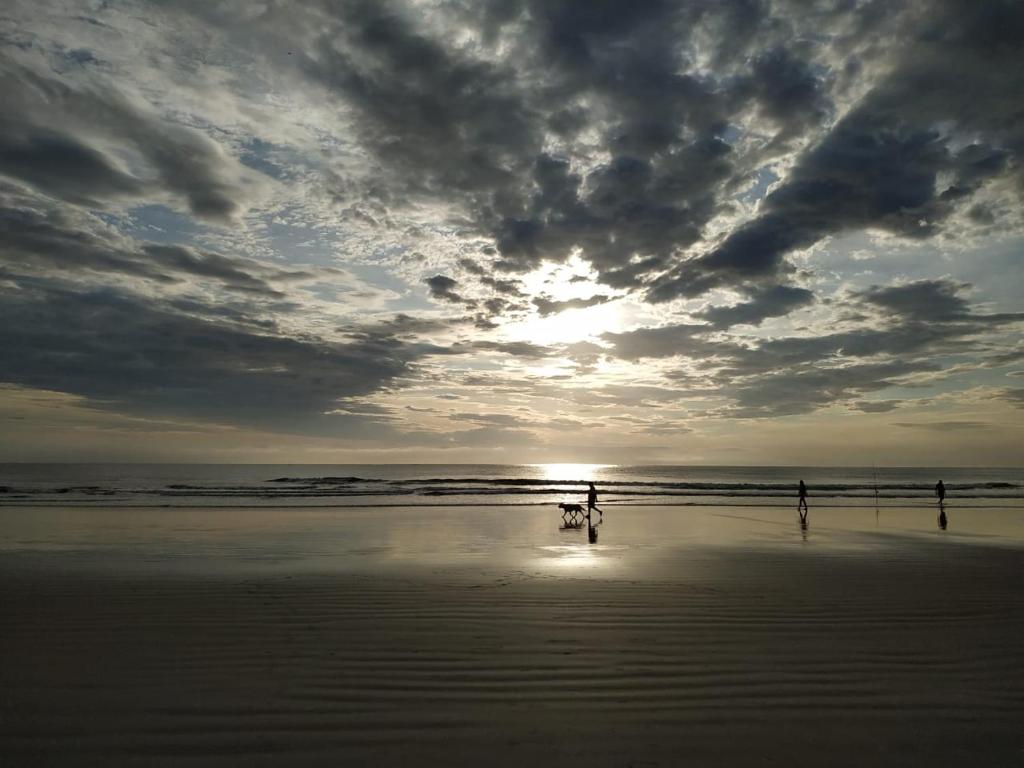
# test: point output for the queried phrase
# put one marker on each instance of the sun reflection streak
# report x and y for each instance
(571, 556)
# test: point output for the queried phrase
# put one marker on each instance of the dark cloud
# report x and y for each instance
(546, 306)
(400, 325)
(1007, 358)
(65, 167)
(51, 132)
(860, 176)
(787, 90)
(505, 287)
(138, 356)
(882, 165)
(684, 340)
(442, 288)
(473, 129)
(931, 301)
(458, 123)
(472, 267)
(495, 306)
(523, 349)
(776, 301)
(46, 241)
(923, 300)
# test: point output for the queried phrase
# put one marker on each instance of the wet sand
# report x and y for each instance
(722, 638)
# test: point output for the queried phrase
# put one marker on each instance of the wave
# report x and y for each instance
(506, 484)
(488, 489)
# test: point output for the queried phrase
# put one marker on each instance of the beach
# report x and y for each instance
(455, 636)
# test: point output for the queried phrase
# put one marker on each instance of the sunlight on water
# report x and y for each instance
(570, 471)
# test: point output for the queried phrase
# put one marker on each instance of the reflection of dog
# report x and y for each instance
(578, 508)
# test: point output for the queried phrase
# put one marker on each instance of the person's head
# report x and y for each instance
(591, 485)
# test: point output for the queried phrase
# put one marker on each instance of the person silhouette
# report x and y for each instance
(592, 502)
(943, 522)
(940, 491)
(801, 505)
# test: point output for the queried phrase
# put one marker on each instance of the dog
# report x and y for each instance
(576, 508)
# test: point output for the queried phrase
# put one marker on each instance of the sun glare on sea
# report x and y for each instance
(559, 471)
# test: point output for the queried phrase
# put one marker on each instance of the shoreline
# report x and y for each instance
(860, 503)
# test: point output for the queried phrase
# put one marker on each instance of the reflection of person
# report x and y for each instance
(942, 516)
(592, 501)
(801, 505)
(940, 491)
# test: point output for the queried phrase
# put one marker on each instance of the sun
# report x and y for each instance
(569, 326)
(573, 281)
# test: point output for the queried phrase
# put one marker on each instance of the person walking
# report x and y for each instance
(592, 501)
(801, 505)
(940, 491)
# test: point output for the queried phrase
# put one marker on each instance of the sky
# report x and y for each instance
(730, 232)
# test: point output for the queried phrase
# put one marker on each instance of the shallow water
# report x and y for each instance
(632, 541)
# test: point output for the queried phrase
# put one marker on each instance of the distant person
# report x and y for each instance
(801, 505)
(592, 502)
(940, 491)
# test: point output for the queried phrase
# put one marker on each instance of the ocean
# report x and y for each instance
(385, 485)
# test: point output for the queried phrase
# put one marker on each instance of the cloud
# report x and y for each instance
(503, 286)
(488, 419)
(128, 354)
(681, 339)
(442, 288)
(1013, 396)
(877, 406)
(944, 426)
(521, 349)
(776, 301)
(887, 165)
(44, 240)
(667, 153)
(924, 300)
(923, 321)
(805, 389)
(546, 306)
(60, 137)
